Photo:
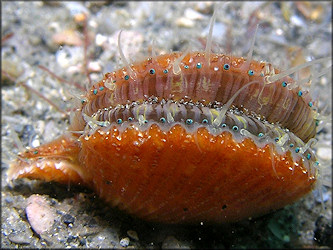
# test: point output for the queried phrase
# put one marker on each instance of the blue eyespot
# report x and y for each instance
(250, 72)
(226, 66)
(189, 121)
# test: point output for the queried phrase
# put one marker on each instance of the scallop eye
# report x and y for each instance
(226, 66)
(189, 121)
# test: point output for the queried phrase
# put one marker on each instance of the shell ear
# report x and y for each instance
(55, 161)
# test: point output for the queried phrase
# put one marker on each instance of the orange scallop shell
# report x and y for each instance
(177, 176)
(174, 175)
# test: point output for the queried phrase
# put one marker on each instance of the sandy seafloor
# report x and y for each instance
(80, 218)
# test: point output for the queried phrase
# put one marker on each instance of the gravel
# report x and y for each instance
(79, 218)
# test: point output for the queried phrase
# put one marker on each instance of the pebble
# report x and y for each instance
(69, 37)
(69, 56)
(171, 242)
(75, 8)
(35, 142)
(68, 219)
(297, 21)
(40, 215)
(94, 66)
(324, 153)
(204, 7)
(107, 238)
(321, 196)
(133, 234)
(8, 199)
(185, 22)
(14, 228)
(124, 242)
(100, 39)
(19, 238)
(219, 30)
(193, 15)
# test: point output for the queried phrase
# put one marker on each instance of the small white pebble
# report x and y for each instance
(124, 242)
(193, 15)
(100, 39)
(279, 32)
(185, 22)
(93, 23)
(35, 143)
(324, 153)
(296, 20)
(94, 66)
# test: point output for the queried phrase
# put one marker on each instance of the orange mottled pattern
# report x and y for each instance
(176, 176)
